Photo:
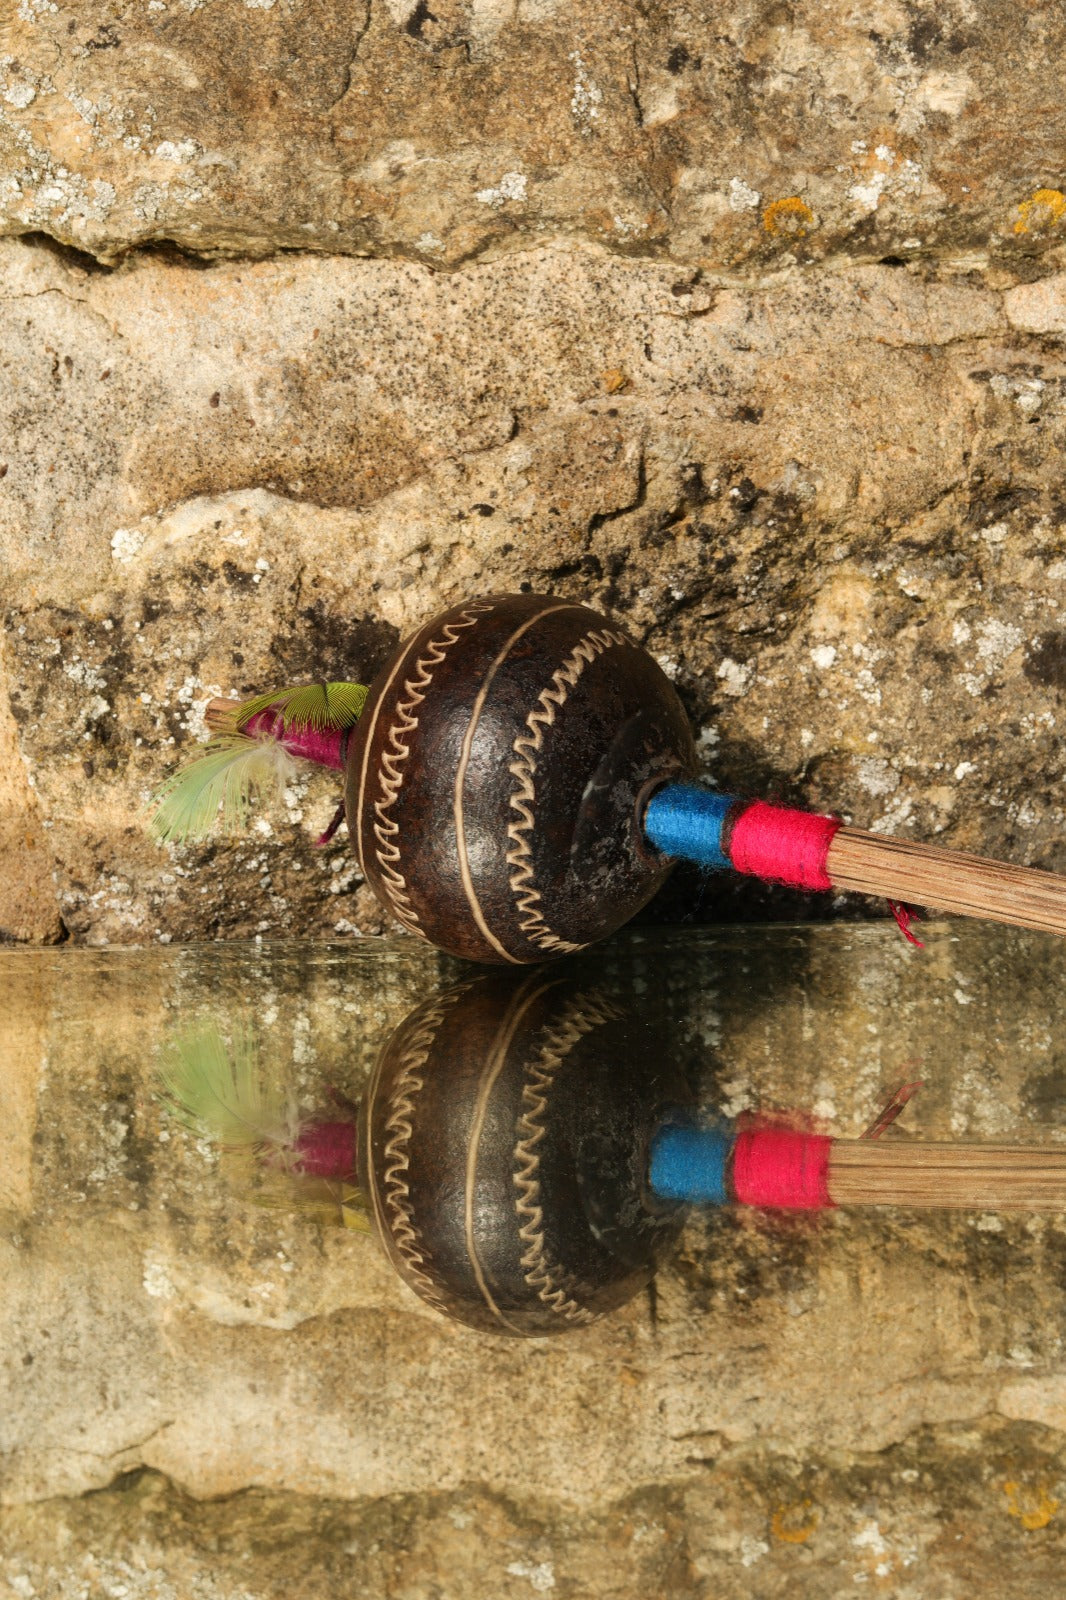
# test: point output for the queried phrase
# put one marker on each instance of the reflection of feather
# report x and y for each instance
(220, 1089)
(222, 1092)
(219, 785)
(310, 705)
(326, 1200)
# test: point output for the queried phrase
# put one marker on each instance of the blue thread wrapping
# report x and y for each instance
(688, 1163)
(686, 820)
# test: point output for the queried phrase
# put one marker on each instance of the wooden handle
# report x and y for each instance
(947, 880)
(996, 1177)
(218, 714)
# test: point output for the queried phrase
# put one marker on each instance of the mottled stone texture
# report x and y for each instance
(968, 1510)
(211, 1389)
(716, 135)
(28, 907)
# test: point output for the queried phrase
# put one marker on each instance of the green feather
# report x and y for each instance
(219, 787)
(220, 1090)
(310, 705)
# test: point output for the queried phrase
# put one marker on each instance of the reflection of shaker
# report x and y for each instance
(528, 1151)
(504, 1145)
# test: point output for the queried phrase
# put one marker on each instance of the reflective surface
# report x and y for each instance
(160, 1310)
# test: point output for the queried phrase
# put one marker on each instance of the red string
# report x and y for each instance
(781, 1167)
(334, 823)
(887, 1117)
(904, 916)
(782, 845)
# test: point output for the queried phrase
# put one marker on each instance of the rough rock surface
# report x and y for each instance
(28, 907)
(716, 136)
(966, 1507)
(830, 503)
(259, 1407)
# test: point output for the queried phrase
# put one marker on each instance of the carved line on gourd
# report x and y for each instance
(580, 1018)
(396, 1161)
(527, 747)
(391, 774)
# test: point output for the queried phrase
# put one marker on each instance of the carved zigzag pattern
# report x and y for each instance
(396, 754)
(526, 749)
(396, 1195)
(544, 1275)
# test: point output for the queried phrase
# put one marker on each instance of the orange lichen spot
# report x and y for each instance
(1033, 1506)
(614, 380)
(1041, 211)
(790, 218)
(794, 1524)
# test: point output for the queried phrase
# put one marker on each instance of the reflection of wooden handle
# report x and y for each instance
(946, 880)
(998, 1177)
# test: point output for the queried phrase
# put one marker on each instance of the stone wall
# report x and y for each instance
(717, 137)
(745, 323)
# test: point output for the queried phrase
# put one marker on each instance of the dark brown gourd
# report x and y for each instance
(497, 778)
(504, 1150)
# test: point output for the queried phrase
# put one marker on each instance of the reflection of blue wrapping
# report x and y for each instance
(688, 1163)
(686, 820)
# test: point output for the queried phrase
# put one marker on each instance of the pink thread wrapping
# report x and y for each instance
(327, 746)
(781, 1167)
(782, 845)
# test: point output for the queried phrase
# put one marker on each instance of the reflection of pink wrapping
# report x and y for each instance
(326, 1150)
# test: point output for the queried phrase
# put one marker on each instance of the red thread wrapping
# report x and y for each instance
(781, 1167)
(324, 745)
(782, 845)
(327, 746)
